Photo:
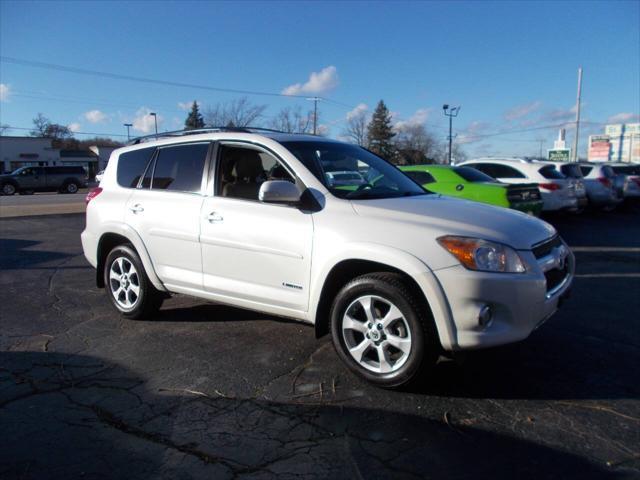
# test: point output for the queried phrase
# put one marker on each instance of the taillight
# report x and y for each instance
(550, 186)
(637, 180)
(605, 181)
(93, 193)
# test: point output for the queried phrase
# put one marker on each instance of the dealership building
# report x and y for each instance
(619, 143)
(16, 152)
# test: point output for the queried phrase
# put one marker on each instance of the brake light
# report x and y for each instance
(93, 193)
(637, 180)
(605, 181)
(550, 186)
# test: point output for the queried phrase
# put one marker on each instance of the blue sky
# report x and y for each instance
(511, 66)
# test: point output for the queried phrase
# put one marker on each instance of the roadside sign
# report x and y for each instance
(559, 154)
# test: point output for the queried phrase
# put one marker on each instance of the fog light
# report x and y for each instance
(485, 316)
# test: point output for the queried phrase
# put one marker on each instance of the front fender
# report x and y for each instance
(397, 259)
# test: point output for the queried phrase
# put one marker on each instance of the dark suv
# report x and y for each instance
(27, 180)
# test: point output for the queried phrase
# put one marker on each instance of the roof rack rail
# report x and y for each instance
(196, 131)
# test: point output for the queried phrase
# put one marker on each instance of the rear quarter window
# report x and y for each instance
(572, 171)
(131, 165)
(551, 172)
(421, 178)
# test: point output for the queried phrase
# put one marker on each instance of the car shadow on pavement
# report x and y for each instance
(17, 254)
(72, 416)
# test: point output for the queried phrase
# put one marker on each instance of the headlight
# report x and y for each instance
(482, 255)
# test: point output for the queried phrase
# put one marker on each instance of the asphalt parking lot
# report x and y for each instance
(207, 391)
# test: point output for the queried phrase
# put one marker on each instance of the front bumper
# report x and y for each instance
(520, 303)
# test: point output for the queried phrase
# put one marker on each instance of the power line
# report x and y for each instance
(9, 127)
(117, 76)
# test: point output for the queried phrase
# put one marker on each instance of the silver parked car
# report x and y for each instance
(573, 173)
(631, 174)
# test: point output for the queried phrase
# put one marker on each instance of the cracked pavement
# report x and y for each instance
(208, 391)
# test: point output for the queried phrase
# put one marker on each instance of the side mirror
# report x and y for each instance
(279, 191)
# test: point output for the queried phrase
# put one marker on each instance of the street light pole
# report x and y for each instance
(128, 125)
(575, 140)
(450, 112)
(155, 121)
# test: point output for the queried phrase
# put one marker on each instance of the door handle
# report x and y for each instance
(214, 217)
(137, 208)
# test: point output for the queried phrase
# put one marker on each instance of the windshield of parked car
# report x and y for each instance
(351, 172)
(473, 175)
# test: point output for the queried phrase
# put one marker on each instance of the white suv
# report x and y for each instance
(396, 274)
(557, 191)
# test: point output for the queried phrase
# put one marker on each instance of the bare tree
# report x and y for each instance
(236, 113)
(4, 128)
(40, 124)
(416, 144)
(356, 129)
(292, 120)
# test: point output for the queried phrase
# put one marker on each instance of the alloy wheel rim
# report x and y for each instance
(124, 282)
(8, 189)
(72, 188)
(376, 334)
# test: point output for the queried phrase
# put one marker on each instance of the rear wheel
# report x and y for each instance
(128, 286)
(71, 187)
(382, 329)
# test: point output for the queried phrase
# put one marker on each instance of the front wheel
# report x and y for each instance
(128, 287)
(8, 189)
(383, 330)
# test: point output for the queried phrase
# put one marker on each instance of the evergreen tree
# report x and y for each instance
(194, 120)
(380, 133)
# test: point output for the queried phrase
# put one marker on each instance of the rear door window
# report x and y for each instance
(551, 173)
(131, 165)
(505, 171)
(179, 168)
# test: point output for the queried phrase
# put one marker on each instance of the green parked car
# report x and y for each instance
(470, 184)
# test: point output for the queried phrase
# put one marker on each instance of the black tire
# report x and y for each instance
(147, 301)
(8, 188)
(70, 187)
(394, 288)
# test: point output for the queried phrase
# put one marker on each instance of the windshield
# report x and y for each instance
(351, 172)
(473, 175)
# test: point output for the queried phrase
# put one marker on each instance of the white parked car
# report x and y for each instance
(631, 174)
(558, 192)
(599, 178)
(396, 274)
(571, 170)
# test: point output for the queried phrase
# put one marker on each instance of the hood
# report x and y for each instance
(452, 216)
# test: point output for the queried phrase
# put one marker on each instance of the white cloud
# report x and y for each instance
(143, 122)
(521, 111)
(624, 117)
(473, 132)
(5, 91)
(95, 116)
(74, 127)
(186, 106)
(418, 118)
(318, 83)
(357, 111)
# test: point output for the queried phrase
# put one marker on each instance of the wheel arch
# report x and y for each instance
(363, 259)
(119, 235)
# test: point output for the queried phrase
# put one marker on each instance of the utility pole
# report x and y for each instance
(575, 140)
(315, 113)
(155, 121)
(128, 125)
(450, 112)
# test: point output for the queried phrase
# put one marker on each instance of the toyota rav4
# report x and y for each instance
(397, 275)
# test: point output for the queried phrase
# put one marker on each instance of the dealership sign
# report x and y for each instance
(599, 148)
(559, 154)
